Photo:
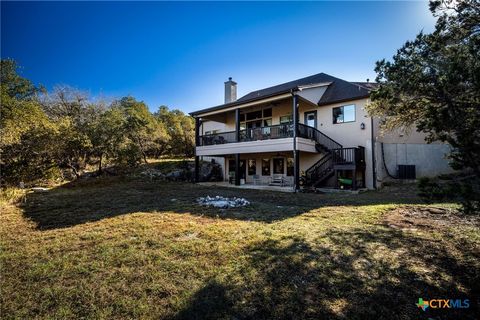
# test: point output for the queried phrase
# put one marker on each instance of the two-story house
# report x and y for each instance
(311, 132)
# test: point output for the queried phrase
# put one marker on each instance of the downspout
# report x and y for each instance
(374, 170)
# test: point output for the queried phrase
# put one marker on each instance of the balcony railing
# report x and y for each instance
(349, 156)
(253, 134)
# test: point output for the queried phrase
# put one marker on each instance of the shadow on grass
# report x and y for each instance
(348, 275)
(99, 198)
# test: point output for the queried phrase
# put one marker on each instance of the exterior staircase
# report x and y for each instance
(335, 157)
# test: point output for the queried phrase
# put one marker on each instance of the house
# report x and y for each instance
(309, 133)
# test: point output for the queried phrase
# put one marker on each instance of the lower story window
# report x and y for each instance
(278, 165)
(252, 167)
(290, 167)
(265, 167)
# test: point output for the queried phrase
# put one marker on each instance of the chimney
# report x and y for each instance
(230, 90)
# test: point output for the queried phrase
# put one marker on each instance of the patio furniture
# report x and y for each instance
(277, 180)
(256, 179)
(231, 177)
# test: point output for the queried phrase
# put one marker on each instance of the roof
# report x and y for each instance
(367, 85)
(338, 90)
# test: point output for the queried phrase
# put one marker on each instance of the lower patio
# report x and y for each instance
(248, 186)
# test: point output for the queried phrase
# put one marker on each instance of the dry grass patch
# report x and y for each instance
(127, 248)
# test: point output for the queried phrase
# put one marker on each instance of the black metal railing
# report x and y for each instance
(272, 132)
(266, 133)
(253, 134)
(218, 138)
(319, 170)
(312, 133)
(354, 156)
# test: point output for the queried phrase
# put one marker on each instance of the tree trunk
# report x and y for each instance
(100, 164)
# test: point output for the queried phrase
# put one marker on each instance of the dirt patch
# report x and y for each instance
(421, 217)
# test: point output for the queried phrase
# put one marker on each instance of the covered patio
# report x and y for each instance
(248, 186)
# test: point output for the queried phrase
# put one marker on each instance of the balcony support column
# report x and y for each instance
(237, 125)
(197, 169)
(197, 143)
(237, 169)
(197, 131)
(296, 154)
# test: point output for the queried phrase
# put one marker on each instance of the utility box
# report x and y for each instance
(406, 171)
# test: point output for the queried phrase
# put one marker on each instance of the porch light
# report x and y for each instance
(362, 126)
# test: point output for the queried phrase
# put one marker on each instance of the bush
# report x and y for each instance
(466, 192)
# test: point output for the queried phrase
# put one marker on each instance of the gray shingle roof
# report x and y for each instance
(339, 90)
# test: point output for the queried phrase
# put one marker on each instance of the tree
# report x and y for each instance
(180, 128)
(75, 115)
(25, 130)
(140, 127)
(433, 83)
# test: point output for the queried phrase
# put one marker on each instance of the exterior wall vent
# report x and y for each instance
(406, 171)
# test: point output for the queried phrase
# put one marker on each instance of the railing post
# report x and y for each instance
(237, 125)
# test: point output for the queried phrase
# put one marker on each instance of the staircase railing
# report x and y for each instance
(355, 155)
(312, 133)
(321, 168)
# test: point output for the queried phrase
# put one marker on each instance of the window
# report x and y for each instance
(267, 113)
(231, 166)
(252, 167)
(254, 115)
(265, 167)
(290, 167)
(344, 114)
(286, 119)
(278, 165)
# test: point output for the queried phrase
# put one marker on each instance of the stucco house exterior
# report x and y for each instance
(308, 133)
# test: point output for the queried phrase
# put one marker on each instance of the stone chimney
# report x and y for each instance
(230, 90)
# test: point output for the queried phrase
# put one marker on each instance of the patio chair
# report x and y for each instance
(277, 180)
(256, 179)
(231, 177)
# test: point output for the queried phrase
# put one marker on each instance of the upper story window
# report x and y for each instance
(286, 119)
(344, 114)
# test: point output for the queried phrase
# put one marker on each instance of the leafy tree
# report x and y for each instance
(433, 83)
(75, 116)
(25, 130)
(140, 127)
(180, 128)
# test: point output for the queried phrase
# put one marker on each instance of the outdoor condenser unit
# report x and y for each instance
(406, 171)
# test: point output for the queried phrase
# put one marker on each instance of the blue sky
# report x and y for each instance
(179, 53)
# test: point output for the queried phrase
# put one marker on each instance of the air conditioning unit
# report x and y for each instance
(406, 171)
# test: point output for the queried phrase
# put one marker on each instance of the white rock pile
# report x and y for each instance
(221, 202)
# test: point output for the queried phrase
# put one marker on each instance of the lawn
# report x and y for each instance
(126, 247)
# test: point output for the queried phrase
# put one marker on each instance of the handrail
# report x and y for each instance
(315, 172)
(217, 138)
(266, 133)
(352, 155)
(252, 134)
(308, 132)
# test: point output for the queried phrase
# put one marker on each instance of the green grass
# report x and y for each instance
(123, 248)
